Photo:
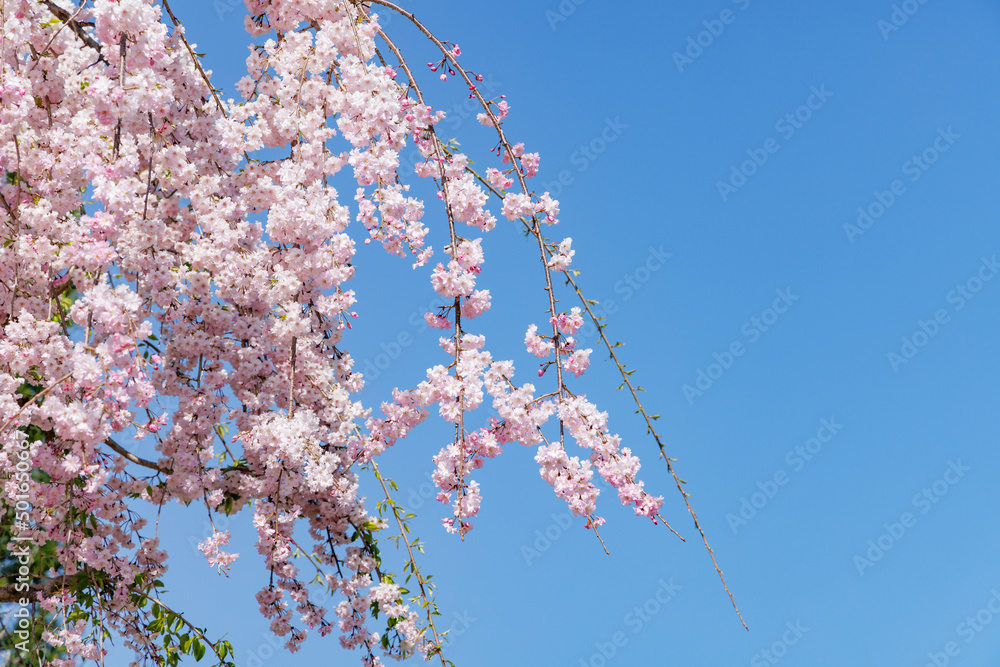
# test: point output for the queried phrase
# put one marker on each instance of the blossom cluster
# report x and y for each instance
(163, 276)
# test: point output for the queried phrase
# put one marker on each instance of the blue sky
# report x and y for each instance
(866, 481)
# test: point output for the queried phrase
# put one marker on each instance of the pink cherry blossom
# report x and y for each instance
(175, 274)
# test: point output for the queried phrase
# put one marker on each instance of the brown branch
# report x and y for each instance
(291, 381)
(40, 394)
(135, 459)
(149, 170)
(74, 25)
(649, 425)
(536, 231)
(121, 84)
(197, 65)
(9, 593)
(52, 39)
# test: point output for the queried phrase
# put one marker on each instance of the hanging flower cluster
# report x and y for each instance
(165, 277)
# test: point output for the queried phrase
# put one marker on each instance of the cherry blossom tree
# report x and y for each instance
(176, 268)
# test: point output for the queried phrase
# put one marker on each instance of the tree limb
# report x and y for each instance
(11, 594)
(74, 25)
(135, 459)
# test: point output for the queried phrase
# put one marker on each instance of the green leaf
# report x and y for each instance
(199, 650)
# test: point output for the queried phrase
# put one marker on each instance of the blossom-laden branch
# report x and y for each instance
(199, 299)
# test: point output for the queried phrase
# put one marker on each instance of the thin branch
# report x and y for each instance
(122, 51)
(536, 231)
(197, 64)
(9, 593)
(291, 381)
(69, 21)
(149, 169)
(135, 459)
(40, 394)
(413, 561)
(195, 630)
(74, 25)
(649, 424)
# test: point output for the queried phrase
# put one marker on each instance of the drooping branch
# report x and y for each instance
(211, 218)
(656, 436)
(197, 64)
(535, 230)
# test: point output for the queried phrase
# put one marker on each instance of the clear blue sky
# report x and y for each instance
(901, 123)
